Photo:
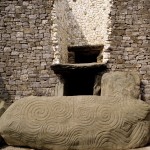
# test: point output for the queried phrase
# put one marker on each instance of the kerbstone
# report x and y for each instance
(77, 122)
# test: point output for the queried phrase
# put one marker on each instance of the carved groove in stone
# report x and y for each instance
(76, 123)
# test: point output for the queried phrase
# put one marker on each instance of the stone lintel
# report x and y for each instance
(82, 67)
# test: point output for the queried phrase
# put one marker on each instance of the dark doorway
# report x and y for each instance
(84, 54)
(79, 83)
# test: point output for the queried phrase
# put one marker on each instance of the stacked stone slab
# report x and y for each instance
(25, 49)
(31, 35)
(121, 26)
(129, 40)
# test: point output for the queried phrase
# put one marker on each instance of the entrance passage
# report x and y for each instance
(84, 54)
(79, 83)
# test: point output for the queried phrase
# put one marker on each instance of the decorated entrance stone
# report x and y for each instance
(77, 122)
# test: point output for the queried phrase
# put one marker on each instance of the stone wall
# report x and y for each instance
(130, 41)
(25, 49)
(35, 33)
(59, 32)
(123, 28)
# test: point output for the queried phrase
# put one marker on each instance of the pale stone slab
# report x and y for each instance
(121, 84)
(77, 122)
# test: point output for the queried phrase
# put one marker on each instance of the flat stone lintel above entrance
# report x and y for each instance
(70, 68)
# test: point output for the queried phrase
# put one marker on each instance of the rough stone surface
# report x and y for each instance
(90, 27)
(129, 40)
(122, 27)
(70, 68)
(3, 107)
(18, 148)
(78, 23)
(121, 84)
(76, 123)
(14, 148)
(145, 148)
(35, 33)
(59, 31)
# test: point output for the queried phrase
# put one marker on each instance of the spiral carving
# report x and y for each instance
(61, 110)
(85, 115)
(74, 123)
(107, 117)
(53, 133)
(36, 111)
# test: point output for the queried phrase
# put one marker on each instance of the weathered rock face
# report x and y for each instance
(3, 106)
(144, 148)
(21, 148)
(121, 84)
(82, 122)
(14, 148)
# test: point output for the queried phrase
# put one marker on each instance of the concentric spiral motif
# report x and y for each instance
(75, 135)
(85, 115)
(71, 123)
(112, 139)
(103, 139)
(107, 117)
(61, 111)
(53, 133)
(36, 111)
(35, 114)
